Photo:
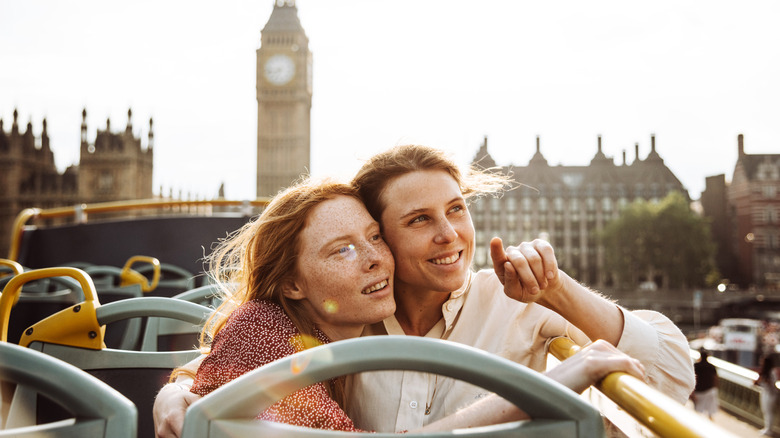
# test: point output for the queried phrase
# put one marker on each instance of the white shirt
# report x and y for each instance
(483, 316)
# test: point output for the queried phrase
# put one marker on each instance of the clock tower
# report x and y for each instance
(284, 90)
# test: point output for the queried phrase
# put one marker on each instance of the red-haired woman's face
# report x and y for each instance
(345, 269)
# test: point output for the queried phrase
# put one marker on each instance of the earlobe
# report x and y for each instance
(292, 290)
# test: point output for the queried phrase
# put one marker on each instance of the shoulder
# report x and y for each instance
(485, 281)
(259, 313)
(260, 326)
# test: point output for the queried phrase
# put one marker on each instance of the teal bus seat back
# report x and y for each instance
(97, 409)
(229, 410)
(173, 279)
(206, 295)
(138, 375)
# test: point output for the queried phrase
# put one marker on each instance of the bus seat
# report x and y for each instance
(96, 409)
(76, 335)
(230, 410)
(76, 264)
(173, 279)
(39, 299)
(136, 374)
(204, 295)
(9, 267)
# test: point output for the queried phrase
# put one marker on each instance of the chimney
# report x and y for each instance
(741, 145)
(84, 126)
(150, 145)
(624, 157)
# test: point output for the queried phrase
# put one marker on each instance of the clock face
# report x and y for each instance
(279, 69)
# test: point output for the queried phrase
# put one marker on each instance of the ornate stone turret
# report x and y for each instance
(538, 159)
(483, 159)
(600, 158)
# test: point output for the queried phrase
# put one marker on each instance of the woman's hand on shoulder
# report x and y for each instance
(527, 271)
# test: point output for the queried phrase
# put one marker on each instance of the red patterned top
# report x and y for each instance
(256, 333)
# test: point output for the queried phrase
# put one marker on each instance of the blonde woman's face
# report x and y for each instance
(345, 269)
(429, 230)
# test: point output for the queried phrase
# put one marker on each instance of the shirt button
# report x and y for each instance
(449, 307)
(413, 404)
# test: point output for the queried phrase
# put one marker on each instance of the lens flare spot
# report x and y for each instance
(301, 343)
(304, 342)
(299, 364)
(348, 252)
(330, 306)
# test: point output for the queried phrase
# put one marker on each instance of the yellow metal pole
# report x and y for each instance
(656, 411)
(107, 207)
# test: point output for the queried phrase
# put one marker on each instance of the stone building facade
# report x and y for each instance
(568, 205)
(754, 207)
(114, 167)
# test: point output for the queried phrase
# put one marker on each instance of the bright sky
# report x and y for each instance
(444, 73)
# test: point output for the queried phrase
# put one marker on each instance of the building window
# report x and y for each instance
(606, 204)
(526, 204)
(105, 181)
(542, 204)
(769, 191)
(495, 205)
(481, 256)
(558, 204)
(511, 204)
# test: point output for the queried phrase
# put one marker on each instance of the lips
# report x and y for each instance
(371, 289)
(447, 260)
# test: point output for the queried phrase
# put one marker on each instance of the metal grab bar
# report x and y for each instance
(108, 207)
(656, 411)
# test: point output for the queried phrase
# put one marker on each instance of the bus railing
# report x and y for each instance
(737, 392)
(81, 212)
(654, 410)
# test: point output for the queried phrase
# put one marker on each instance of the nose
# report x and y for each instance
(373, 256)
(445, 233)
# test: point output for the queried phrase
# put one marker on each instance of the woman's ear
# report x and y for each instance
(292, 290)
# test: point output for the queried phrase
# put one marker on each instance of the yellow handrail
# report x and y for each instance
(82, 330)
(656, 411)
(128, 276)
(107, 207)
(15, 267)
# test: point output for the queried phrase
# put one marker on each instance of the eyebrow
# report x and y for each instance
(416, 211)
(326, 246)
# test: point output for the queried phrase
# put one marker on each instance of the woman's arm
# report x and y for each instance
(529, 273)
(577, 373)
(588, 366)
(173, 400)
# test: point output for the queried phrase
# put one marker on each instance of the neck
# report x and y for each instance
(337, 332)
(418, 311)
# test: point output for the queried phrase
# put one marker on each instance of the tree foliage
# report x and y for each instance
(663, 239)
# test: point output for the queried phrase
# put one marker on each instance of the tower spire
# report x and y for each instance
(84, 126)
